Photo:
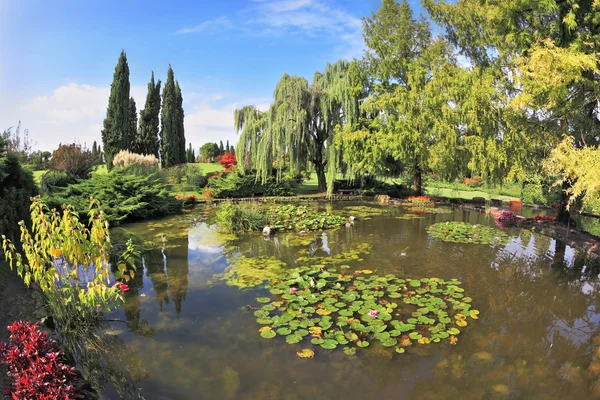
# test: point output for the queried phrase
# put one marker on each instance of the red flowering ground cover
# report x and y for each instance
(35, 366)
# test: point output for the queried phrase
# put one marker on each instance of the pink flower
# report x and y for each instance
(124, 287)
(475, 236)
(293, 290)
(373, 313)
(470, 240)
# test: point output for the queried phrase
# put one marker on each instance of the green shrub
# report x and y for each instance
(540, 193)
(195, 178)
(175, 174)
(16, 189)
(52, 180)
(592, 206)
(239, 218)
(123, 195)
(236, 185)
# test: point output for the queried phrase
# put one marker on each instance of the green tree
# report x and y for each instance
(189, 154)
(148, 142)
(16, 189)
(172, 137)
(209, 151)
(543, 53)
(299, 127)
(133, 128)
(221, 148)
(115, 134)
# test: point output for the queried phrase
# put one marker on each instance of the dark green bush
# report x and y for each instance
(195, 178)
(123, 195)
(236, 185)
(53, 180)
(16, 189)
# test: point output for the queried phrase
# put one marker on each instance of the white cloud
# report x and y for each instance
(75, 112)
(312, 18)
(209, 26)
(209, 123)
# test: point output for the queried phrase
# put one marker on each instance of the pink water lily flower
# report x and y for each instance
(475, 236)
(293, 290)
(373, 313)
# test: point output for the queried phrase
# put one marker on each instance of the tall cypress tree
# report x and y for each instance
(179, 142)
(227, 147)
(132, 137)
(167, 118)
(172, 133)
(148, 129)
(221, 148)
(116, 124)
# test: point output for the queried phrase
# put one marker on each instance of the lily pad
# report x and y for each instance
(305, 354)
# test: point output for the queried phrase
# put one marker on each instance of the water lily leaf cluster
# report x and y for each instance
(302, 218)
(462, 232)
(365, 212)
(338, 309)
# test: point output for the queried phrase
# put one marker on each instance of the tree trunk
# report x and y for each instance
(320, 170)
(563, 214)
(418, 180)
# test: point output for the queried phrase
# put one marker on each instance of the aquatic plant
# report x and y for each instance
(250, 218)
(332, 309)
(421, 200)
(301, 218)
(462, 232)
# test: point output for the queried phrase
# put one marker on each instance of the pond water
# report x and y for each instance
(192, 336)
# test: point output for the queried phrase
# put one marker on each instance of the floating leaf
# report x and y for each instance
(400, 350)
(283, 331)
(453, 340)
(362, 343)
(474, 314)
(305, 354)
(267, 333)
(350, 350)
(329, 344)
(263, 299)
(415, 335)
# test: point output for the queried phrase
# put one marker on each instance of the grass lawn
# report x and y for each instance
(37, 176)
(309, 186)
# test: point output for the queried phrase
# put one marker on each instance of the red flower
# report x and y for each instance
(124, 287)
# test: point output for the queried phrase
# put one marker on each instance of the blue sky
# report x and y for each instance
(59, 57)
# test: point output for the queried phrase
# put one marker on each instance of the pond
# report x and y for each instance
(193, 337)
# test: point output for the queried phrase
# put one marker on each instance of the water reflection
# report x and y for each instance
(538, 299)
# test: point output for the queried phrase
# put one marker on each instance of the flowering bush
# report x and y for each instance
(228, 161)
(473, 182)
(34, 364)
(74, 160)
(505, 217)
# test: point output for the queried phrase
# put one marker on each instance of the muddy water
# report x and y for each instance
(193, 338)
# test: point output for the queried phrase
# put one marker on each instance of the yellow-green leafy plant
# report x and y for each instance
(70, 262)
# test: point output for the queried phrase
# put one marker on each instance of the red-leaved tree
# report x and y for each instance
(73, 159)
(228, 161)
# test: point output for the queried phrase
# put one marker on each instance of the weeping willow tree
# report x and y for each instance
(298, 129)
